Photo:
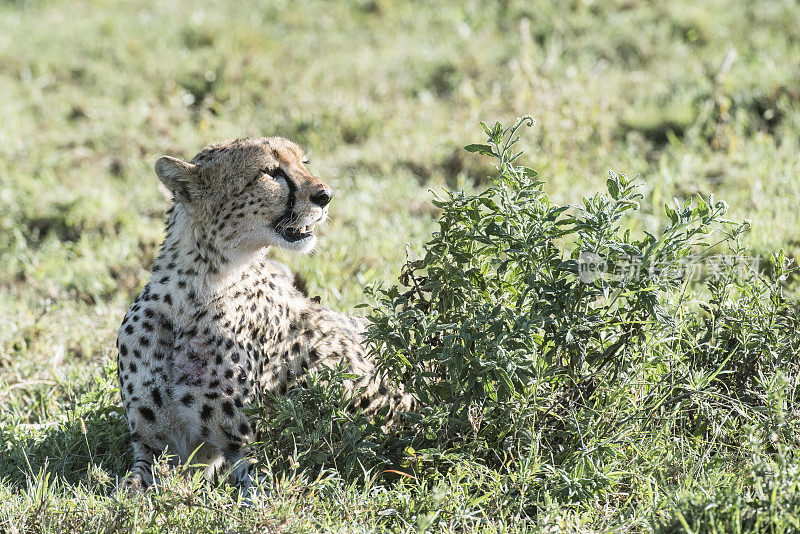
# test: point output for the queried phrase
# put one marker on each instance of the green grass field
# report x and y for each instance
(694, 97)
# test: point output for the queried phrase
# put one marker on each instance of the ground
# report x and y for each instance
(694, 97)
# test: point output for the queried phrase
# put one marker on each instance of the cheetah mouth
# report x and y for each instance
(293, 234)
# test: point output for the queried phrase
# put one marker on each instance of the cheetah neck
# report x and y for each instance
(199, 267)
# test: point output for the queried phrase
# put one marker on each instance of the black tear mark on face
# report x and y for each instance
(286, 218)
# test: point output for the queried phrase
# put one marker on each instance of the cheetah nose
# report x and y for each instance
(322, 197)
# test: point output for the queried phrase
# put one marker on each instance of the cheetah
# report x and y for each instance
(219, 325)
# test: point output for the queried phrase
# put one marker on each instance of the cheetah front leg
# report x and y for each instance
(144, 342)
(212, 392)
(231, 436)
(141, 475)
(242, 474)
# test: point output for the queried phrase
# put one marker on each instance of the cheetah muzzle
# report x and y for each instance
(290, 226)
(218, 325)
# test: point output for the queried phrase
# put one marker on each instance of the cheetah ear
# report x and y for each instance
(179, 176)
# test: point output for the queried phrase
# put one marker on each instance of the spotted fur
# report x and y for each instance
(218, 324)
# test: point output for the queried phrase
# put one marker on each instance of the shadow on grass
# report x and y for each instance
(67, 450)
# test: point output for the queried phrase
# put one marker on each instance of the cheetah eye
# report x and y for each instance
(275, 173)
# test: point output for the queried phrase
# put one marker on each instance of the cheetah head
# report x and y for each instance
(248, 194)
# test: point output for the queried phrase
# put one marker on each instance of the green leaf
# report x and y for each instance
(613, 188)
(484, 150)
(672, 214)
(702, 207)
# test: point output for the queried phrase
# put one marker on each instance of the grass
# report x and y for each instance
(694, 97)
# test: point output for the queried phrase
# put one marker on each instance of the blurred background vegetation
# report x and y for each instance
(696, 97)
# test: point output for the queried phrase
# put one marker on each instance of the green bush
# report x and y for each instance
(530, 328)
